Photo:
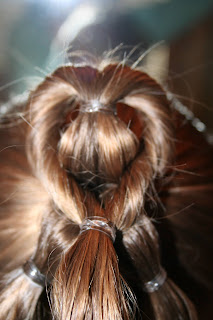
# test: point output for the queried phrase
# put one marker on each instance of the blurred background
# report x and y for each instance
(171, 39)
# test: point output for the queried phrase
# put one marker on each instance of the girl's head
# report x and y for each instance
(99, 141)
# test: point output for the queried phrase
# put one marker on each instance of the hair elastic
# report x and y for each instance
(156, 282)
(34, 274)
(100, 224)
(97, 106)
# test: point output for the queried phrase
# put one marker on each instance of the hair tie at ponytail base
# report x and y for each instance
(96, 106)
(100, 224)
(156, 282)
(34, 274)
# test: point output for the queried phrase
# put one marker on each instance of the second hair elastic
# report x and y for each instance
(100, 224)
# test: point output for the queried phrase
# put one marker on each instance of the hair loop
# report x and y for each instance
(96, 106)
(34, 274)
(156, 282)
(100, 224)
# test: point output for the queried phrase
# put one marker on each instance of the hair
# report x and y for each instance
(100, 141)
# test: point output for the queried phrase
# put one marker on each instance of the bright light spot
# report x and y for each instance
(82, 16)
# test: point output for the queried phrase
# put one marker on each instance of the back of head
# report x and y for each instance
(98, 148)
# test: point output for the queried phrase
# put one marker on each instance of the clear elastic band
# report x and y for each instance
(97, 106)
(100, 224)
(34, 274)
(156, 282)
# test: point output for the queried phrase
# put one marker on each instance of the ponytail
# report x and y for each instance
(97, 142)
(167, 300)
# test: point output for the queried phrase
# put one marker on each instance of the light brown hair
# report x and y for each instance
(65, 163)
